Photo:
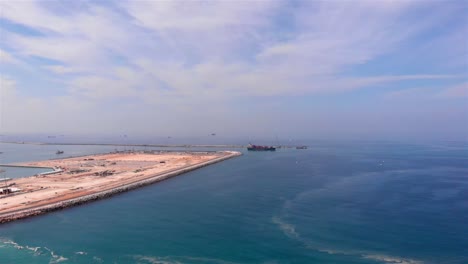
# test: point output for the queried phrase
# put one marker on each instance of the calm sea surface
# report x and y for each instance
(331, 203)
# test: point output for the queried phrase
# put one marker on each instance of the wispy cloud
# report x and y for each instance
(457, 91)
(6, 57)
(176, 55)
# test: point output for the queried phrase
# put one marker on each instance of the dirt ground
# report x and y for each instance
(92, 174)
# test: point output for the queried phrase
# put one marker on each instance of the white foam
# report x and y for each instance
(36, 250)
(58, 259)
(98, 259)
(378, 257)
(209, 260)
(14, 244)
(288, 229)
(157, 260)
(180, 259)
(391, 259)
(81, 253)
(385, 259)
(55, 258)
(333, 251)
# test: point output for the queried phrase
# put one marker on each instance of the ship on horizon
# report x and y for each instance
(252, 147)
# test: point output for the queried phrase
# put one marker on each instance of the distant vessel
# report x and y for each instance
(260, 148)
(59, 152)
(301, 147)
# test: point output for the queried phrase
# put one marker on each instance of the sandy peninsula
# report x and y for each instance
(82, 179)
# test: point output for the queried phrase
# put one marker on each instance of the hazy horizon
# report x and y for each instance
(351, 70)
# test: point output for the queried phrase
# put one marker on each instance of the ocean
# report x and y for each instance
(335, 202)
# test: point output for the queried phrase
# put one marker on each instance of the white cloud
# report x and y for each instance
(60, 69)
(7, 86)
(32, 14)
(101, 87)
(456, 91)
(198, 47)
(178, 56)
(198, 15)
(6, 57)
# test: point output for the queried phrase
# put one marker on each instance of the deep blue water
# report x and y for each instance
(342, 202)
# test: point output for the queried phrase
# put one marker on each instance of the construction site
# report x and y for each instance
(77, 180)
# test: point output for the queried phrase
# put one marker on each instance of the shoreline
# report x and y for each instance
(137, 145)
(106, 193)
(25, 166)
(125, 145)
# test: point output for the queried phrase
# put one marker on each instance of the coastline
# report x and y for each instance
(154, 178)
(125, 145)
(137, 145)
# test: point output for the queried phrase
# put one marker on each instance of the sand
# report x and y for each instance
(86, 178)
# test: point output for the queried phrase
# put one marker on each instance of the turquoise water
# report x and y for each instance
(332, 203)
(15, 172)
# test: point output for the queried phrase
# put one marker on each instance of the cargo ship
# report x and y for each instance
(301, 147)
(260, 148)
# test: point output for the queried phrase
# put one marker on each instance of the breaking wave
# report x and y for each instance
(10, 243)
(44, 253)
(34, 251)
(55, 258)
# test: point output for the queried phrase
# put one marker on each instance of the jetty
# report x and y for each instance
(79, 180)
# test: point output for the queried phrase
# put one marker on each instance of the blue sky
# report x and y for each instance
(297, 69)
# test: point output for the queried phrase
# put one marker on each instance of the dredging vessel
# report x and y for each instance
(252, 147)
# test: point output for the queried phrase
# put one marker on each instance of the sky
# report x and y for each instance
(383, 70)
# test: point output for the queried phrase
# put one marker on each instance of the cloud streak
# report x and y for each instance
(176, 55)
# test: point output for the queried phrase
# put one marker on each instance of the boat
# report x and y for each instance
(301, 147)
(59, 152)
(252, 147)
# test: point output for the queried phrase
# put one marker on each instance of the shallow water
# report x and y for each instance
(332, 203)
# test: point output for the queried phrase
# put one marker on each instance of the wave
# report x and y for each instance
(210, 260)
(98, 259)
(391, 259)
(180, 260)
(55, 258)
(290, 231)
(331, 251)
(6, 242)
(385, 259)
(372, 256)
(156, 260)
(382, 176)
(36, 251)
(14, 244)
(58, 259)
